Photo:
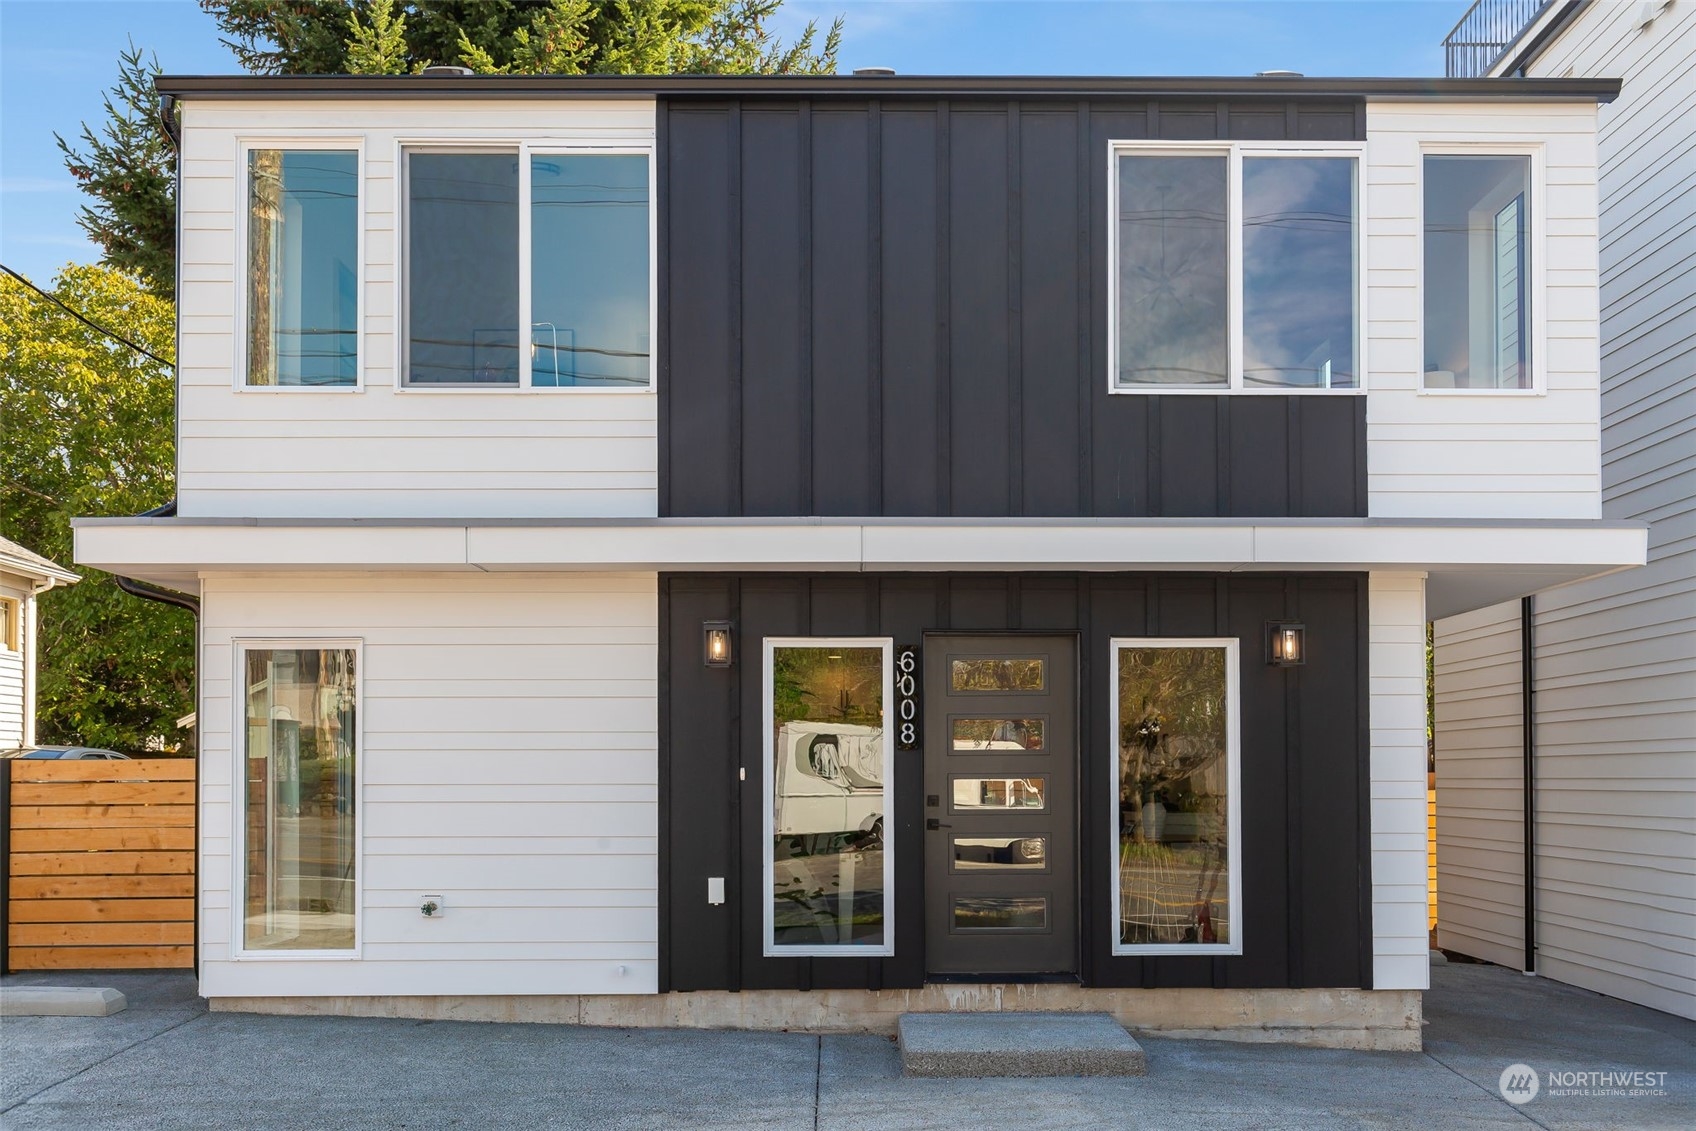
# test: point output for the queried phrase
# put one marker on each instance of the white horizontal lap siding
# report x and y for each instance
(1400, 892)
(508, 762)
(1480, 785)
(379, 452)
(1616, 657)
(11, 698)
(1518, 455)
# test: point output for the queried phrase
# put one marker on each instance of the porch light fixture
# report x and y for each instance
(715, 643)
(1286, 644)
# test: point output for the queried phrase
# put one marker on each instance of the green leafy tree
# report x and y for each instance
(378, 47)
(88, 431)
(127, 169)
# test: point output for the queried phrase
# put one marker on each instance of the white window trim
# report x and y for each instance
(238, 366)
(525, 151)
(11, 624)
(239, 647)
(1233, 802)
(1234, 152)
(1536, 257)
(768, 783)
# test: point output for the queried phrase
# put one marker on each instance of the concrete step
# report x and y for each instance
(60, 1001)
(1017, 1044)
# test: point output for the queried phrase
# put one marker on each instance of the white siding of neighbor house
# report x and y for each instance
(379, 452)
(1396, 642)
(14, 692)
(1480, 750)
(1616, 657)
(508, 762)
(1471, 455)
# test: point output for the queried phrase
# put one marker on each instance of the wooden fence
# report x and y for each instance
(99, 864)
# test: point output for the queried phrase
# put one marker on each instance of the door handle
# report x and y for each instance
(933, 823)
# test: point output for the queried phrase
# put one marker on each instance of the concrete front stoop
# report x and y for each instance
(1017, 1044)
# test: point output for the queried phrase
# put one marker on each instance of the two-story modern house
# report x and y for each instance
(789, 551)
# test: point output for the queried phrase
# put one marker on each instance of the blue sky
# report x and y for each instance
(57, 57)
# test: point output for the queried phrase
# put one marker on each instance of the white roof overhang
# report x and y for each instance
(1469, 563)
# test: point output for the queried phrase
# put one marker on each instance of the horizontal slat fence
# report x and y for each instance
(100, 864)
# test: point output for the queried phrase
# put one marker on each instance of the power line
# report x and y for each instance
(116, 337)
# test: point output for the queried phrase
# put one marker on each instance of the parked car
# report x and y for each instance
(71, 752)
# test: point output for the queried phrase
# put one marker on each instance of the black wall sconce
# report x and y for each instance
(1286, 644)
(716, 648)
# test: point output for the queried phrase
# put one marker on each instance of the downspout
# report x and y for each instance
(1528, 724)
(158, 593)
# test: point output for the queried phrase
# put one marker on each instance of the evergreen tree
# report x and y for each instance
(128, 169)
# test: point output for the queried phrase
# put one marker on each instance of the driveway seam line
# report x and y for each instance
(1497, 1096)
(103, 1060)
(818, 1076)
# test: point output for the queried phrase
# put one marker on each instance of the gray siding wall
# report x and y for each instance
(899, 309)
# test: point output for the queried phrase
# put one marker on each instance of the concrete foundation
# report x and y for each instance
(1382, 1020)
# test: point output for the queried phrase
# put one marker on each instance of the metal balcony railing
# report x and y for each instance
(1486, 30)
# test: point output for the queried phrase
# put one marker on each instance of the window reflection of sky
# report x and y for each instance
(1172, 270)
(1299, 283)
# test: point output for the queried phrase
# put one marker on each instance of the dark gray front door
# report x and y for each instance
(1000, 750)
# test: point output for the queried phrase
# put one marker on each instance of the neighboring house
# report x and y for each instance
(1598, 794)
(24, 576)
(670, 546)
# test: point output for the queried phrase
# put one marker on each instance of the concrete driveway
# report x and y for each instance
(166, 1063)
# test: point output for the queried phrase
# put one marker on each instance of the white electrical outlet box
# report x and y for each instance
(715, 889)
(432, 906)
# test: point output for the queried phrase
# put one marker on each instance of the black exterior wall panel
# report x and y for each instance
(1306, 870)
(907, 285)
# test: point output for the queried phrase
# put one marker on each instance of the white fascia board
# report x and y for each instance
(1558, 550)
(660, 545)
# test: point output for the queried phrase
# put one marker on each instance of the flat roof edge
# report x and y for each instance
(708, 87)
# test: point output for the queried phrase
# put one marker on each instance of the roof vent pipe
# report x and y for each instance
(873, 72)
(447, 71)
(1278, 75)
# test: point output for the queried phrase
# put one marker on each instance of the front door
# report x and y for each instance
(1001, 761)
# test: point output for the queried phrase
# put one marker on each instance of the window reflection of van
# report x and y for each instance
(829, 789)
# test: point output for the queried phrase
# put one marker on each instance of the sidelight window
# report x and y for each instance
(1234, 268)
(528, 269)
(299, 773)
(1176, 797)
(829, 864)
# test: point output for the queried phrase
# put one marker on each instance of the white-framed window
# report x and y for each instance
(1234, 267)
(11, 627)
(527, 266)
(1176, 796)
(302, 246)
(829, 767)
(1481, 277)
(298, 856)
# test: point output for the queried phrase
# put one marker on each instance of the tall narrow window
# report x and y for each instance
(1176, 774)
(828, 763)
(1477, 272)
(1300, 287)
(300, 764)
(302, 267)
(589, 269)
(1173, 278)
(462, 268)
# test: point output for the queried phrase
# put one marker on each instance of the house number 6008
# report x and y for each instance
(907, 697)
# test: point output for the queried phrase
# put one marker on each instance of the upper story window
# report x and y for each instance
(1234, 269)
(498, 240)
(1477, 271)
(302, 308)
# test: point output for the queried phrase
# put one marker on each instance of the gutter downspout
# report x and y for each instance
(1528, 723)
(155, 592)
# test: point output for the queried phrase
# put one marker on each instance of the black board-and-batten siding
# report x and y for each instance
(1306, 893)
(898, 308)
